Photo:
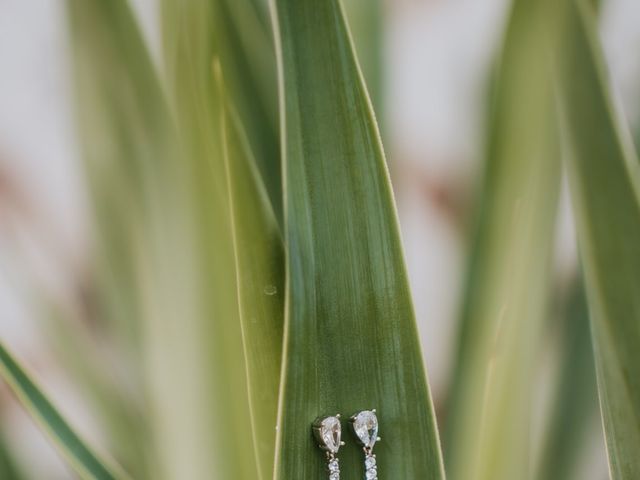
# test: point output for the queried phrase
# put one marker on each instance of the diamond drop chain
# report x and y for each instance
(370, 465)
(333, 466)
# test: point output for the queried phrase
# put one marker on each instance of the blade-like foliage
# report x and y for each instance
(366, 23)
(164, 202)
(84, 461)
(508, 283)
(350, 335)
(8, 468)
(125, 135)
(259, 257)
(247, 54)
(575, 400)
(160, 197)
(605, 184)
(122, 126)
(228, 414)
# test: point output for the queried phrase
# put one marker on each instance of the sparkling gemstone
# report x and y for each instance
(370, 462)
(334, 466)
(372, 474)
(330, 433)
(334, 476)
(366, 427)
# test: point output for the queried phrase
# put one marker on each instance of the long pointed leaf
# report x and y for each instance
(259, 257)
(125, 135)
(84, 461)
(575, 399)
(248, 58)
(170, 192)
(507, 290)
(605, 184)
(231, 376)
(8, 468)
(350, 336)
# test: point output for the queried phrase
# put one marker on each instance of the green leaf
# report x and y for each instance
(126, 140)
(508, 281)
(162, 203)
(575, 399)
(248, 58)
(350, 336)
(8, 468)
(122, 121)
(259, 257)
(366, 23)
(84, 461)
(229, 431)
(168, 235)
(605, 185)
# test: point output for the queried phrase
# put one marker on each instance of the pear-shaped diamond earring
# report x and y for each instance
(365, 428)
(328, 433)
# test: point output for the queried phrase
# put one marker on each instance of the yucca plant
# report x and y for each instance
(249, 266)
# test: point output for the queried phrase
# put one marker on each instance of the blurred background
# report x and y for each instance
(428, 74)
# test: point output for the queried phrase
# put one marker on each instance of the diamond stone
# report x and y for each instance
(334, 476)
(330, 432)
(370, 462)
(365, 425)
(334, 466)
(372, 474)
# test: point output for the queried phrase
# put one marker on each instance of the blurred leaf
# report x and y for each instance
(122, 122)
(259, 259)
(606, 197)
(350, 337)
(576, 399)
(157, 237)
(86, 463)
(508, 282)
(224, 419)
(166, 209)
(8, 468)
(125, 137)
(104, 383)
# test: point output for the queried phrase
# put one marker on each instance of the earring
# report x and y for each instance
(365, 428)
(328, 433)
